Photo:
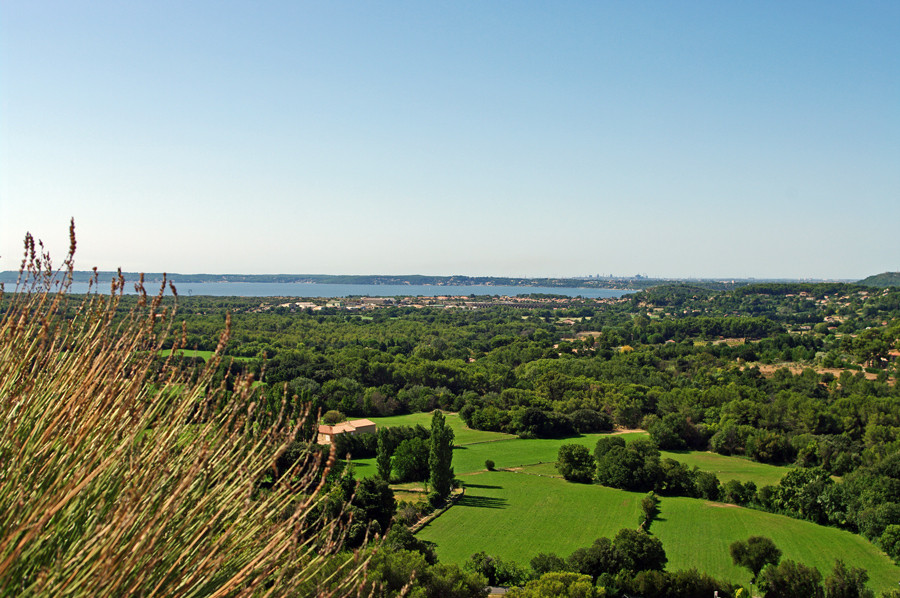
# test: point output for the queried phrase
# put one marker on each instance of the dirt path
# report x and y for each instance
(618, 431)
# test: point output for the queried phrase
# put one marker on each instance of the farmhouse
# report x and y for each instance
(357, 426)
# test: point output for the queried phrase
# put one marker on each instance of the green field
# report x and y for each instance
(197, 353)
(697, 533)
(516, 515)
(730, 468)
(473, 447)
(188, 353)
(515, 452)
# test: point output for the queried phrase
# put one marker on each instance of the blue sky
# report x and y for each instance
(714, 139)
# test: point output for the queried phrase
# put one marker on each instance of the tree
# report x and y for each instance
(666, 432)
(890, 541)
(496, 570)
(605, 443)
(799, 492)
(649, 509)
(847, 582)
(411, 460)
(754, 554)
(383, 457)
(677, 584)
(587, 421)
(390, 572)
(375, 502)
(333, 417)
(706, 484)
(400, 538)
(556, 584)
(440, 460)
(620, 468)
(639, 550)
(595, 560)
(790, 579)
(546, 563)
(575, 464)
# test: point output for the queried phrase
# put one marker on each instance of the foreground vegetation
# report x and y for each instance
(122, 478)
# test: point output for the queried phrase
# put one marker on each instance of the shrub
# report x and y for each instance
(890, 542)
(120, 480)
(489, 465)
(411, 460)
(436, 500)
(649, 510)
(575, 464)
(789, 579)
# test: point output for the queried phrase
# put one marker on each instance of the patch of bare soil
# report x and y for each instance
(625, 431)
(768, 370)
(722, 505)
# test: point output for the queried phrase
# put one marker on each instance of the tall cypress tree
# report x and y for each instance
(441, 457)
(383, 457)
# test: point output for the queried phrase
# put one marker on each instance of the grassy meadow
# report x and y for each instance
(538, 455)
(730, 468)
(205, 355)
(516, 515)
(697, 533)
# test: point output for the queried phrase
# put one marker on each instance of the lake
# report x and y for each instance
(307, 289)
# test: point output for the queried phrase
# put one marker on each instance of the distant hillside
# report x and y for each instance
(885, 279)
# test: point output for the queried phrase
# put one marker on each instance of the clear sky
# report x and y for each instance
(713, 139)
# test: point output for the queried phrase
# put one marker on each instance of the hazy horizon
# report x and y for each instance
(636, 276)
(691, 140)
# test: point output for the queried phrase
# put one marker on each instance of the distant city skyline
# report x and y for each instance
(676, 140)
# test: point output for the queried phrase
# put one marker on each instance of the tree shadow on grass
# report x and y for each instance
(679, 451)
(482, 502)
(468, 485)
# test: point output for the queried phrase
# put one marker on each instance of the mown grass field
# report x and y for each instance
(516, 515)
(473, 447)
(730, 468)
(697, 533)
(198, 353)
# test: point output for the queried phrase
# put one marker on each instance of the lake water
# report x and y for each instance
(306, 289)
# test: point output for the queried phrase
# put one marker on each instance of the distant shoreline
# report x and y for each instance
(611, 283)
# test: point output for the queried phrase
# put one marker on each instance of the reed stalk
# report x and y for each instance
(117, 479)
